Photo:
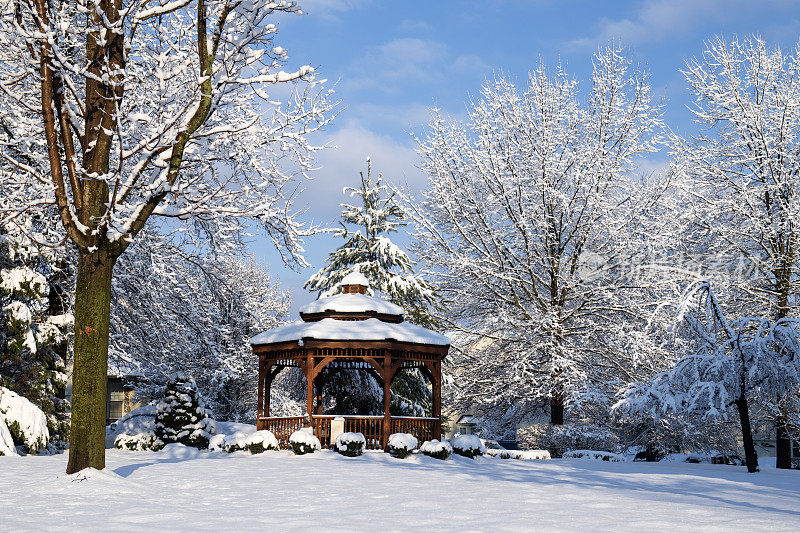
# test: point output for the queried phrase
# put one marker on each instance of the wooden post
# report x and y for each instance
(261, 376)
(437, 400)
(387, 383)
(310, 384)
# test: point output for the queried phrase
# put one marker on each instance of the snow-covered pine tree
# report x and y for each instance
(369, 250)
(366, 228)
(33, 342)
(182, 416)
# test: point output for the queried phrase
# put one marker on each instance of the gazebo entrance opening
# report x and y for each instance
(350, 331)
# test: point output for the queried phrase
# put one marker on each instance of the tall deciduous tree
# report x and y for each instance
(525, 220)
(129, 110)
(743, 170)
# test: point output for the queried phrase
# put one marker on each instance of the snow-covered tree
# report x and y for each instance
(33, 341)
(116, 113)
(174, 312)
(743, 170)
(181, 416)
(366, 228)
(733, 361)
(528, 221)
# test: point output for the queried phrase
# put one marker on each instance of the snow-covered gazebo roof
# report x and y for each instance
(351, 316)
(370, 329)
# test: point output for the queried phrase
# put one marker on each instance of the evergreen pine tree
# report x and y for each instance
(369, 250)
(366, 227)
(33, 320)
(181, 416)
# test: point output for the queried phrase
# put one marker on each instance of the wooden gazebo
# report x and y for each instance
(352, 331)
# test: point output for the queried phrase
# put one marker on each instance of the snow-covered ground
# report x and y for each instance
(183, 489)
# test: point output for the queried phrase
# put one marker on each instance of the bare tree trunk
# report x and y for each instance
(750, 455)
(92, 311)
(783, 443)
(557, 408)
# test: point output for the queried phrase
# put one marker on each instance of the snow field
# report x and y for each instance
(183, 489)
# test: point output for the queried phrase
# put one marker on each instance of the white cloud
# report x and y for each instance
(329, 8)
(413, 26)
(339, 167)
(657, 20)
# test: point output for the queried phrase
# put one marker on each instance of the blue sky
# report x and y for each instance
(393, 60)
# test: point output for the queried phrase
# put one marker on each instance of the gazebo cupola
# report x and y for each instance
(352, 331)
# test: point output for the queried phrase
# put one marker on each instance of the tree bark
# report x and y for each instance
(783, 443)
(750, 455)
(92, 311)
(557, 409)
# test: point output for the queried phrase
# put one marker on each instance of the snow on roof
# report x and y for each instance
(467, 419)
(352, 303)
(355, 278)
(371, 329)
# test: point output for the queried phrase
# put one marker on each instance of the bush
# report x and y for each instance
(138, 442)
(350, 444)
(181, 416)
(303, 441)
(594, 455)
(519, 454)
(468, 446)
(437, 450)
(256, 442)
(561, 439)
(26, 423)
(401, 445)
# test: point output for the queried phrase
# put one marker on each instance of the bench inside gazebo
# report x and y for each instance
(350, 331)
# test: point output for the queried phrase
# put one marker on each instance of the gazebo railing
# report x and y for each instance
(281, 426)
(371, 427)
(422, 428)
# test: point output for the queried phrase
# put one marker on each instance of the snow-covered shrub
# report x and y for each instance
(140, 420)
(519, 454)
(350, 444)
(303, 441)
(467, 445)
(594, 455)
(559, 439)
(256, 442)
(401, 445)
(261, 440)
(6, 442)
(138, 442)
(181, 416)
(26, 423)
(436, 449)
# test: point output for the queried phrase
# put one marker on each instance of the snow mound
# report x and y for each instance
(24, 420)
(303, 441)
(594, 455)
(350, 444)
(140, 421)
(436, 449)
(527, 455)
(468, 445)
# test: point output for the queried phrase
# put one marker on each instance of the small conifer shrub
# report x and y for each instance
(181, 416)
